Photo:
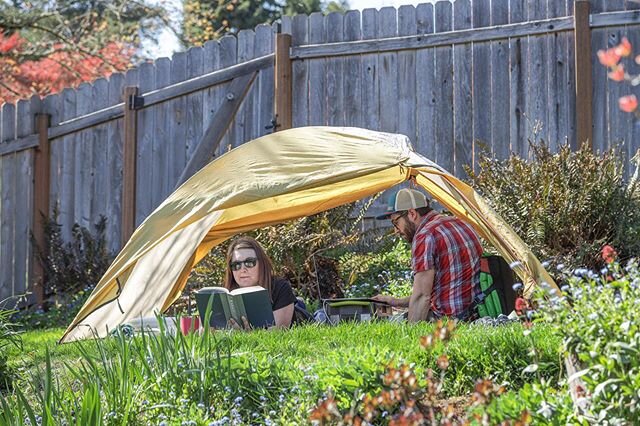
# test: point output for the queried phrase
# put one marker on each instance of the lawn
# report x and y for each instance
(264, 377)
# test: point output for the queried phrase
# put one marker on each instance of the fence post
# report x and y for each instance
(42, 166)
(129, 163)
(283, 83)
(584, 84)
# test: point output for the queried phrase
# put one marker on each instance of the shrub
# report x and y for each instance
(8, 337)
(71, 271)
(565, 205)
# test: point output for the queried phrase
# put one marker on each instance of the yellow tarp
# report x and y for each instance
(275, 178)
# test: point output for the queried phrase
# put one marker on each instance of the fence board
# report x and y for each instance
(352, 72)
(334, 26)
(388, 77)
(193, 116)
(462, 102)
(146, 134)
(7, 203)
(115, 146)
(52, 106)
(518, 79)
(213, 97)
(499, 81)
(536, 99)
(618, 121)
(162, 139)
(558, 79)
(444, 90)
(571, 82)
(243, 121)
(370, 90)
(99, 140)
(176, 159)
(481, 81)
(407, 25)
(263, 86)
(25, 125)
(83, 157)
(228, 57)
(300, 71)
(425, 86)
(66, 217)
(317, 83)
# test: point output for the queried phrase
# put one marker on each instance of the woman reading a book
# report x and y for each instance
(248, 265)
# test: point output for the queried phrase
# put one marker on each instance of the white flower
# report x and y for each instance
(545, 410)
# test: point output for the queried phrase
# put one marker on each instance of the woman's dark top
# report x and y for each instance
(282, 293)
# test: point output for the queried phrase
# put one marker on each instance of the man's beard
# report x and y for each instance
(409, 232)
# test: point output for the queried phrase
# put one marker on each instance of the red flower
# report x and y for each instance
(624, 48)
(608, 58)
(628, 103)
(609, 254)
(617, 74)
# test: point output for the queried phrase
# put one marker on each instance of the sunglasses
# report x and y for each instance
(249, 263)
(395, 221)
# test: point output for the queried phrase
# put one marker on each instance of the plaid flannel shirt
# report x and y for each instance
(450, 247)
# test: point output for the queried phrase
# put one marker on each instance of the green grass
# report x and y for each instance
(280, 375)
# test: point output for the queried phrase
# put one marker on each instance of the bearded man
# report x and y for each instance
(445, 259)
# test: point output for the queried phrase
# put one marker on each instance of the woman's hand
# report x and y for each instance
(245, 324)
(384, 298)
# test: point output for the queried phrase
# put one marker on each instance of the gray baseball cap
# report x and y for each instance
(403, 200)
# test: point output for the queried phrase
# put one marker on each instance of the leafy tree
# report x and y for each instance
(45, 45)
(210, 19)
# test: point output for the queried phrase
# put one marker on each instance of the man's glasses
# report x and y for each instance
(249, 263)
(395, 221)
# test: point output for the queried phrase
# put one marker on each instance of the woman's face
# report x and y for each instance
(244, 266)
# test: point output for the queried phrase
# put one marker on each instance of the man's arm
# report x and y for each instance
(420, 300)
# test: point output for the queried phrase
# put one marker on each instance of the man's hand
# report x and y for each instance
(384, 298)
(245, 324)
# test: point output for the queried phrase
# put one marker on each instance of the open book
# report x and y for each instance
(251, 302)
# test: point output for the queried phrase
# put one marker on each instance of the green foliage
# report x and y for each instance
(9, 336)
(271, 376)
(597, 317)
(72, 269)
(386, 270)
(565, 205)
(206, 20)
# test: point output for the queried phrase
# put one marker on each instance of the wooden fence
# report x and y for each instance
(455, 77)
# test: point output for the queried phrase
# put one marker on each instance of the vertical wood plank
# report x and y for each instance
(25, 126)
(193, 116)
(407, 26)
(129, 163)
(244, 118)
(518, 47)
(178, 110)
(334, 66)
(213, 96)
(83, 148)
(499, 83)
(618, 121)
(300, 70)
(283, 91)
(228, 57)
(444, 93)
(41, 203)
(633, 129)
(352, 72)
(481, 17)
(425, 86)
(99, 141)
(370, 90)
(67, 188)
(317, 73)
(160, 143)
(462, 83)
(560, 88)
(115, 148)
(537, 99)
(598, 83)
(146, 129)
(388, 77)
(7, 204)
(263, 86)
(52, 105)
(570, 87)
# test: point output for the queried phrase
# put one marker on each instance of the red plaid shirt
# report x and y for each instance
(450, 247)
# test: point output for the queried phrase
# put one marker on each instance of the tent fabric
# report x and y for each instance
(272, 179)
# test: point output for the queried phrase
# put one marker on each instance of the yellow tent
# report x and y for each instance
(275, 178)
